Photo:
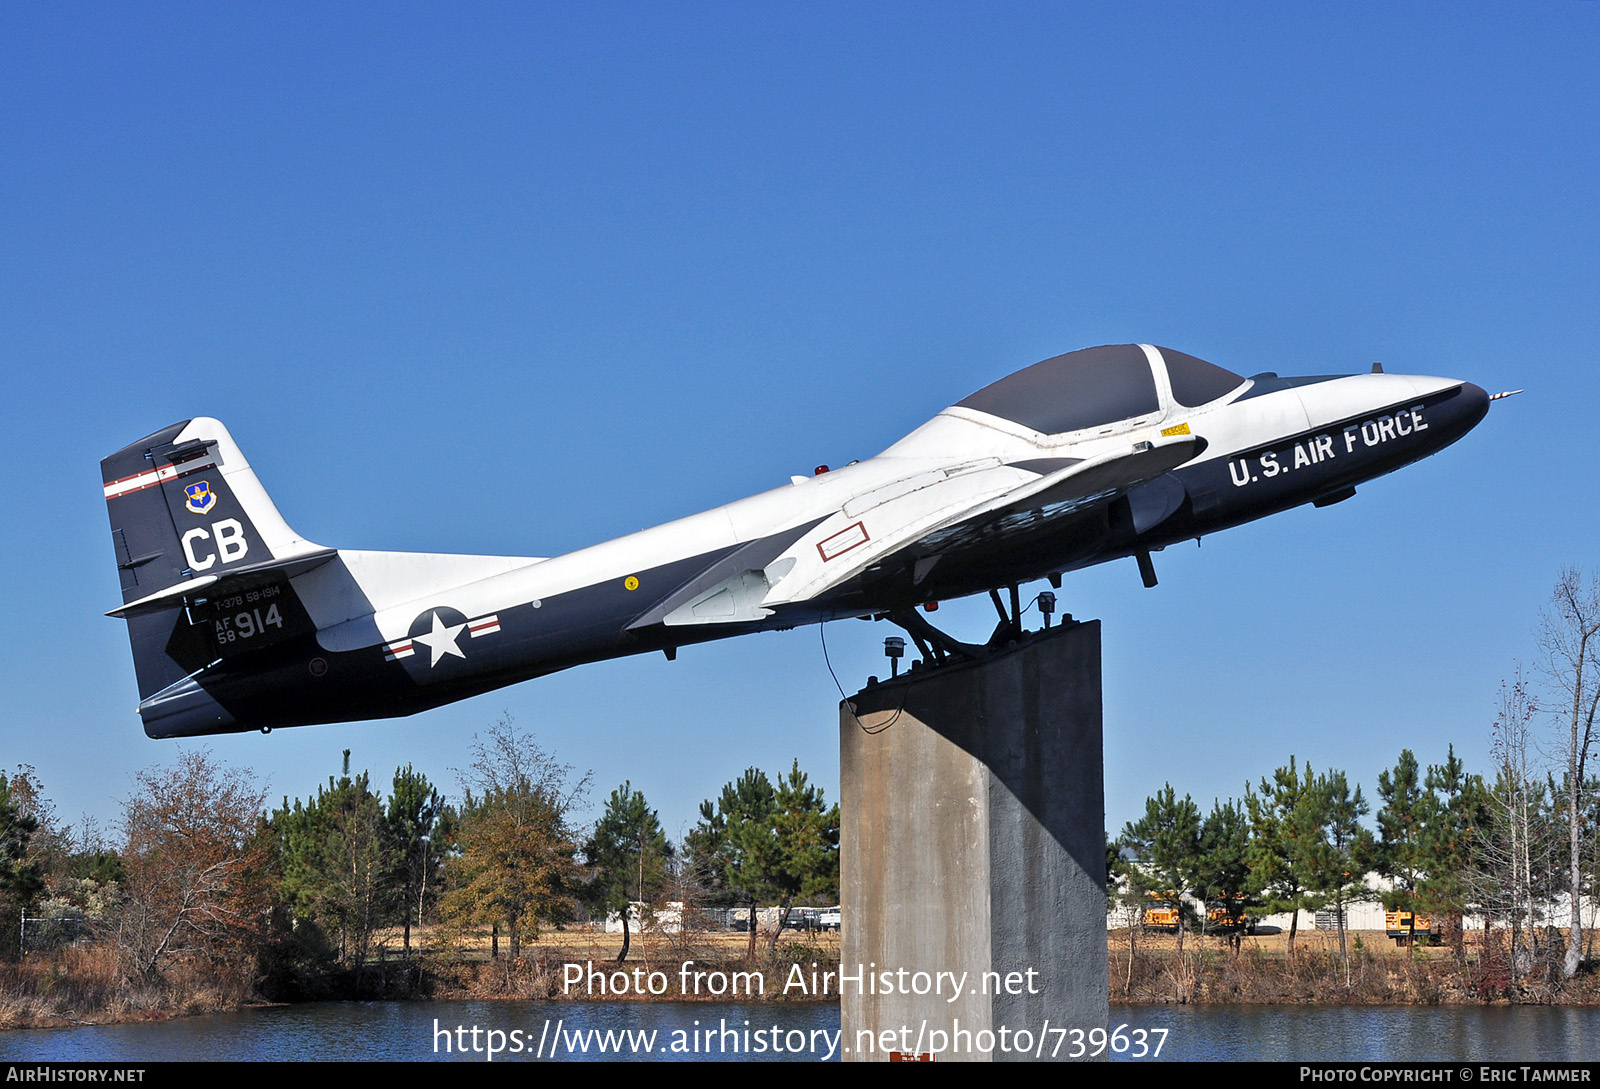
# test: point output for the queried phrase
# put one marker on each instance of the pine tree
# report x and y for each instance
(338, 862)
(1283, 827)
(1402, 822)
(803, 860)
(1458, 809)
(768, 844)
(1342, 850)
(1224, 864)
(418, 826)
(630, 856)
(719, 844)
(20, 878)
(1167, 841)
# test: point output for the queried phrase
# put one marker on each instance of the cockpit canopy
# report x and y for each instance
(1096, 387)
(1196, 382)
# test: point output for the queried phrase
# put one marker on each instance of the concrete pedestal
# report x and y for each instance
(973, 850)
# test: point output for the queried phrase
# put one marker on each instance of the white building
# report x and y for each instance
(644, 918)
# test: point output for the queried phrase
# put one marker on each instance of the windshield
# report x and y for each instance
(1196, 382)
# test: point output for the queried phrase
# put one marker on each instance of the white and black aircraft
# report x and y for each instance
(238, 623)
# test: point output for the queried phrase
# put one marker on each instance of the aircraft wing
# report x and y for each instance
(968, 512)
(982, 514)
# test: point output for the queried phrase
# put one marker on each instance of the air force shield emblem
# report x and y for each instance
(201, 497)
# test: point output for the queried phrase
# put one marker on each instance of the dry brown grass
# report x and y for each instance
(1277, 945)
(538, 973)
(582, 943)
(87, 986)
(1377, 971)
(73, 987)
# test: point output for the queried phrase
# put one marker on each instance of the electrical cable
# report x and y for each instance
(845, 700)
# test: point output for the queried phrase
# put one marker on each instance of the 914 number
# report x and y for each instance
(248, 624)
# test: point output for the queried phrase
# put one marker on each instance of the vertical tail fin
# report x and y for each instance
(186, 510)
(184, 502)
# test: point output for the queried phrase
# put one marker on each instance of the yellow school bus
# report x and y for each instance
(1226, 916)
(1161, 914)
(1399, 926)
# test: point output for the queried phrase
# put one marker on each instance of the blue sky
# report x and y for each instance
(516, 279)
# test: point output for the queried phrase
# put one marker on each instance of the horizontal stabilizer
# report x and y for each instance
(236, 580)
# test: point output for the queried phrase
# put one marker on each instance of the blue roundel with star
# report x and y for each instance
(439, 634)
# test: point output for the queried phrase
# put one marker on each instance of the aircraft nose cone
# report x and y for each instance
(1473, 404)
(1459, 411)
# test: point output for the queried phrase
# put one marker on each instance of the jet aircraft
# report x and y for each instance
(238, 623)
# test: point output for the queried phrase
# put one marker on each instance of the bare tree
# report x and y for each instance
(194, 864)
(1127, 894)
(1569, 642)
(1504, 854)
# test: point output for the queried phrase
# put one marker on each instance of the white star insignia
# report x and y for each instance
(442, 640)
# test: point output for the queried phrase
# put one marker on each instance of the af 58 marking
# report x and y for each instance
(247, 624)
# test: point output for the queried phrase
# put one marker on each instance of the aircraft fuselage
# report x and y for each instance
(239, 624)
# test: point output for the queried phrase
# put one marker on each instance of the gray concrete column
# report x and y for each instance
(973, 850)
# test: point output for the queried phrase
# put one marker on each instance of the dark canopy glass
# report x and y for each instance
(1088, 388)
(1196, 382)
